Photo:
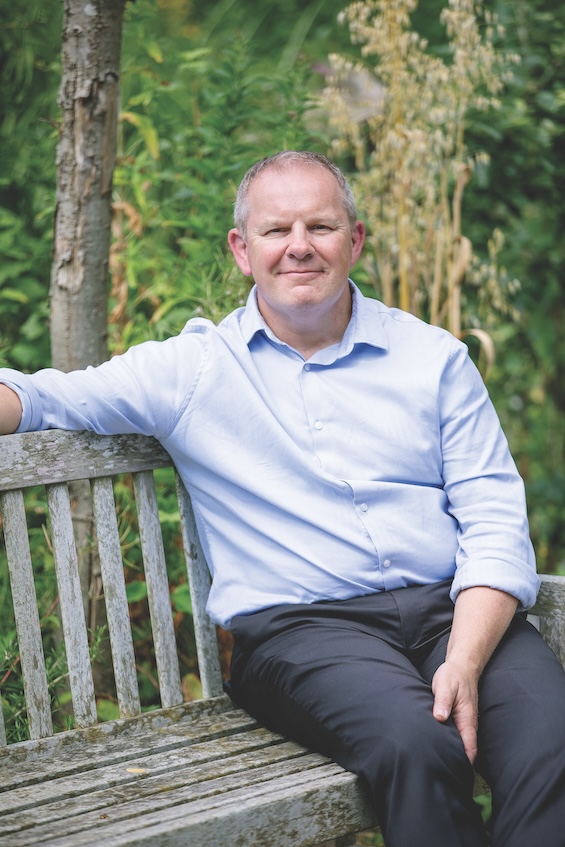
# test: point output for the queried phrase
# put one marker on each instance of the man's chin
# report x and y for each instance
(302, 277)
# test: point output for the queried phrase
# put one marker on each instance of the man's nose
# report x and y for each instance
(299, 245)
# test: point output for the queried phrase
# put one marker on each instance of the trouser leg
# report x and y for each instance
(343, 685)
(522, 740)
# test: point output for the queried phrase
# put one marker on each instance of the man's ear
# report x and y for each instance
(238, 246)
(357, 241)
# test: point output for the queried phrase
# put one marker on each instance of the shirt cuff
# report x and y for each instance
(517, 578)
(29, 398)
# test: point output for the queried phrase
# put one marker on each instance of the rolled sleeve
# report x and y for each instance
(485, 492)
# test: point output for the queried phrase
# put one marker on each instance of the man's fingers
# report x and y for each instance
(468, 735)
(441, 711)
(455, 696)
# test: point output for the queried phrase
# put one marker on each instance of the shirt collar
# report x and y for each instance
(364, 327)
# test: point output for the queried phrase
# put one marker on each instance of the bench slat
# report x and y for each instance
(159, 770)
(550, 606)
(157, 589)
(38, 458)
(144, 792)
(197, 719)
(28, 626)
(199, 582)
(71, 605)
(115, 598)
(314, 803)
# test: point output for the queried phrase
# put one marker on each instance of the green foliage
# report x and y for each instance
(194, 119)
(29, 51)
(401, 113)
(523, 191)
(24, 312)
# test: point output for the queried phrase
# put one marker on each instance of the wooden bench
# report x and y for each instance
(199, 773)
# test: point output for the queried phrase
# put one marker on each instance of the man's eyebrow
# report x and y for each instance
(328, 217)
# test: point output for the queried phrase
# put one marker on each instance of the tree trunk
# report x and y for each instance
(85, 163)
(89, 99)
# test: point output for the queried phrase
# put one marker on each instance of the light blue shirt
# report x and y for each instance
(378, 463)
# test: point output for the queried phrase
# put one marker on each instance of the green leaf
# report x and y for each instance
(136, 591)
(106, 710)
(181, 599)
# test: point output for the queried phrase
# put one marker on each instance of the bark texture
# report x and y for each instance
(89, 100)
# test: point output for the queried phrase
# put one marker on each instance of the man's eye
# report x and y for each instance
(320, 228)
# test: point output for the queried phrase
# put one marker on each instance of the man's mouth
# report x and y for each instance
(301, 272)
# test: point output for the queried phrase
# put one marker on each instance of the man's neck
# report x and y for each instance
(309, 329)
(308, 336)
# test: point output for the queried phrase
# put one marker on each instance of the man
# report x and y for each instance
(351, 484)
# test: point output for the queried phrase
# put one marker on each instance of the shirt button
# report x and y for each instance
(363, 507)
(307, 367)
(387, 563)
(319, 425)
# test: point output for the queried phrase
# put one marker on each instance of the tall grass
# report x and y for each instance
(400, 113)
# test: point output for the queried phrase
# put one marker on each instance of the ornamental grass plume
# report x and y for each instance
(405, 129)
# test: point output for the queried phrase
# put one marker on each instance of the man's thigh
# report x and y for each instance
(521, 698)
(343, 683)
(522, 738)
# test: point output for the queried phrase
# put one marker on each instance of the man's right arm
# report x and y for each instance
(10, 410)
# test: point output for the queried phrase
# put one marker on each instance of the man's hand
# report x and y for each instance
(480, 619)
(10, 410)
(456, 693)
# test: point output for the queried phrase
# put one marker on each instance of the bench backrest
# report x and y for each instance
(52, 459)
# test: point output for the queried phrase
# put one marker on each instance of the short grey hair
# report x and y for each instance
(280, 161)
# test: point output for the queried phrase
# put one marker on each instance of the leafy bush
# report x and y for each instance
(192, 124)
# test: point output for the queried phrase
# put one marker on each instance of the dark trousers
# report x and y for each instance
(352, 679)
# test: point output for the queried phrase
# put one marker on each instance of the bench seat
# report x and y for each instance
(199, 773)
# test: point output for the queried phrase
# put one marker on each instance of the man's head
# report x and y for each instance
(282, 161)
(298, 238)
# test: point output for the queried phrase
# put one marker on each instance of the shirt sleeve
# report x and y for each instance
(142, 391)
(485, 492)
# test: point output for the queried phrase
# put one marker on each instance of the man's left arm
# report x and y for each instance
(496, 571)
(481, 617)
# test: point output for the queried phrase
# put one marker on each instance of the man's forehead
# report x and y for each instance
(285, 170)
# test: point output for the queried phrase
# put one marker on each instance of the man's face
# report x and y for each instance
(299, 245)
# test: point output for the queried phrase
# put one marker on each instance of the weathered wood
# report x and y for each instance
(71, 606)
(199, 582)
(550, 607)
(174, 766)
(28, 626)
(111, 566)
(34, 458)
(212, 717)
(314, 791)
(157, 589)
